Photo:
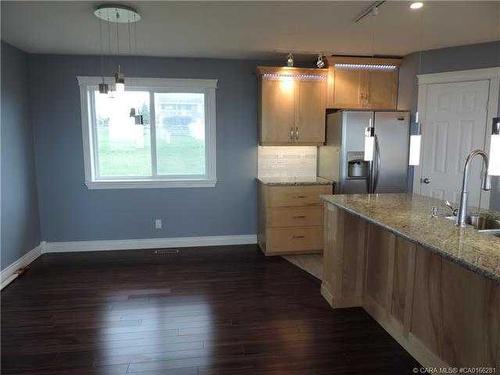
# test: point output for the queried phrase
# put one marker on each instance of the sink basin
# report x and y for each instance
(482, 224)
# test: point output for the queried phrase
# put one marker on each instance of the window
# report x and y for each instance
(173, 145)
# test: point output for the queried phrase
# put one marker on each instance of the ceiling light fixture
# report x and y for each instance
(289, 60)
(114, 13)
(372, 9)
(416, 5)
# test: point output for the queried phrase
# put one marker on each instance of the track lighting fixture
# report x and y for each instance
(321, 62)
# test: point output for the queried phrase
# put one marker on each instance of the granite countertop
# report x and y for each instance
(291, 181)
(409, 216)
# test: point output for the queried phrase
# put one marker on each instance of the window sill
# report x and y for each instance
(152, 184)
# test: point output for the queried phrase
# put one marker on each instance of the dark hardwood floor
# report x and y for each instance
(224, 310)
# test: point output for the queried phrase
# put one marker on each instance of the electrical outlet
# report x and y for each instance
(158, 224)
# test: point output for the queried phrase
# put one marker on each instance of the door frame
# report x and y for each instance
(424, 80)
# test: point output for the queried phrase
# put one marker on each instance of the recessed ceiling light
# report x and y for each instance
(416, 5)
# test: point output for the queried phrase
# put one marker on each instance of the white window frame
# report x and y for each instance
(88, 86)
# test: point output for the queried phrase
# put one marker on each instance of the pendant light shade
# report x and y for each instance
(289, 60)
(103, 88)
(415, 145)
(119, 81)
(415, 141)
(494, 166)
(369, 142)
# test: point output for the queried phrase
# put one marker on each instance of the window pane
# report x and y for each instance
(124, 148)
(180, 133)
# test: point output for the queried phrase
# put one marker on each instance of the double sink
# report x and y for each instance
(483, 224)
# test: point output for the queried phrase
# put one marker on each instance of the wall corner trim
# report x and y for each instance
(8, 274)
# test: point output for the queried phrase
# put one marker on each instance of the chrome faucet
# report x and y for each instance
(486, 185)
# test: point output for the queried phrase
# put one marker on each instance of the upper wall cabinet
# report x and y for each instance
(363, 83)
(292, 105)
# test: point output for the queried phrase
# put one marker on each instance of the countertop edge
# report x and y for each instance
(320, 182)
(432, 248)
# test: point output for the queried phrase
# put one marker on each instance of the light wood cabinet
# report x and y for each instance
(292, 106)
(443, 314)
(356, 88)
(290, 218)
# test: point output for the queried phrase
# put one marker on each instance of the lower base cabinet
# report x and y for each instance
(291, 218)
(440, 312)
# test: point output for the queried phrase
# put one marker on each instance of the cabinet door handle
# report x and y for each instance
(297, 237)
(300, 217)
(300, 196)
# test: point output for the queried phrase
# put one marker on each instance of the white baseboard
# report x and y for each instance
(10, 273)
(148, 243)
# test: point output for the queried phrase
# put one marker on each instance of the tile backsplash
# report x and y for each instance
(287, 161)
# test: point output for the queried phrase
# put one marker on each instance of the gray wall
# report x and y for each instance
(70, 212)
(20, 227)
(476, 56)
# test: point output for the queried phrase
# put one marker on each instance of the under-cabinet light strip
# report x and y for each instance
(294, 76)
(366, 67)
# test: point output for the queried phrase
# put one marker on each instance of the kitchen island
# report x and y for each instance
(433, 286)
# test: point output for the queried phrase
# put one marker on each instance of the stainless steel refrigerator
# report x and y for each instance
(341, 159)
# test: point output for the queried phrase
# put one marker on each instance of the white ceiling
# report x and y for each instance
(253, 29)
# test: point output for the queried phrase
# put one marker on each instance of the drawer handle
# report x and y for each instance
(300, 217)
(297, 237)
(300, 196)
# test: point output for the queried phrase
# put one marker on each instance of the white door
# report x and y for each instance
(453, 125)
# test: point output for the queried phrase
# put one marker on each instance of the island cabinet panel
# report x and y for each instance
(402, 283)
(389, 279)
(439, 311)
(343, 258)
(456, 312)
(379, 267)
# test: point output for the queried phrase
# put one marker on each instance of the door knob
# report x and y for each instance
(426, 180)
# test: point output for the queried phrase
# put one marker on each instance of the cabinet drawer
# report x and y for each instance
(295, 216)
(286, 196)
(289, 240)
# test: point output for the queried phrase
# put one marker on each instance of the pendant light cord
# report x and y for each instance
(135, 46)
(101, 49)
(109, 37)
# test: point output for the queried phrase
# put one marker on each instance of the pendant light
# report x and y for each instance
(289, 60)
(370, 130)
(369, 141)
(114, 13)
(416, 139)
(494, 166)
